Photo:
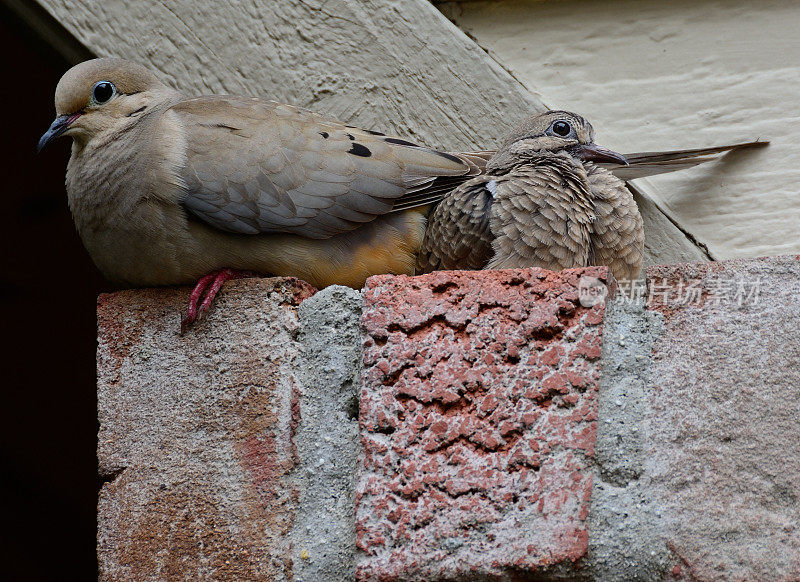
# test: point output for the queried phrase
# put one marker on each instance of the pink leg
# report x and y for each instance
(210, 285)
(194, 299)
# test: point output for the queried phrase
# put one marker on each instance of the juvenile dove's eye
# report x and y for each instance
(103, 91)
(562, 128)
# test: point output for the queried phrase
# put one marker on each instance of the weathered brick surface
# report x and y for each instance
(196, 434)
(723, 425)
(478, 414)
(479, 402)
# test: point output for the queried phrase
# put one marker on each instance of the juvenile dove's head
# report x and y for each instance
(554, 131)
(101, 97)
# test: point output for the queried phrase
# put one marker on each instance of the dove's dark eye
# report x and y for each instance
(103, 91)
(561, 128)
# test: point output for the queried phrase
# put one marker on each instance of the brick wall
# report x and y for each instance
(512, 426)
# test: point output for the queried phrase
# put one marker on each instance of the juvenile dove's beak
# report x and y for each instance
(59, 126)
(594, 153)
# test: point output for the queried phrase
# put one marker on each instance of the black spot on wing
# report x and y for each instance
(324, 134)
(402, 142)
(450, 157)
(359, 150)
(350, 137)
(369, 131)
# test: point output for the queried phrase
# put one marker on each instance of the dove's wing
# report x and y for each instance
(640, 165)
(255, 166)
(458, 235)
(643, 164)
(441, 186)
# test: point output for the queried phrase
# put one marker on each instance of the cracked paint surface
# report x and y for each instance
(478, 417)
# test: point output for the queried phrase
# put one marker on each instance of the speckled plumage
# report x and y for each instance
(541, 203)
(617, 230)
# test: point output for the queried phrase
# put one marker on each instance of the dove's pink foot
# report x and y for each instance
(207, 288)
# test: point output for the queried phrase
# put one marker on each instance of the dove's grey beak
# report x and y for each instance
(594, 153)
(59, 126)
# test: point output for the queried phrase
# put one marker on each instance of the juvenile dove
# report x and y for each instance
(168, 190)
(547, 199)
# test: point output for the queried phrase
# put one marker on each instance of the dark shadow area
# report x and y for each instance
(48, 480)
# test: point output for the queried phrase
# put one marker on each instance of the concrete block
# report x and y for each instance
(196, 434)
(625, 541)
(478, 414)
(508, 429)
(698, 463)
(722, 426)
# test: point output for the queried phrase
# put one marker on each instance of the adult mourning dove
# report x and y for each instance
(550, 198)
(168, 190)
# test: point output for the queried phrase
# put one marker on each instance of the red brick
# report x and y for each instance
(478, 413)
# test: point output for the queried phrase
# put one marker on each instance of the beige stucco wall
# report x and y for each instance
(663, 75)
(390, 65)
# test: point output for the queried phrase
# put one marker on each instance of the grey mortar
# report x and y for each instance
(624, 520)
(327, 438)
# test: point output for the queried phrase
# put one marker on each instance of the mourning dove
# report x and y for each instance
(550, 198)
(169, 190)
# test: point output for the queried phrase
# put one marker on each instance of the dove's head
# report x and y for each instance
(555, 131)
(101, 97)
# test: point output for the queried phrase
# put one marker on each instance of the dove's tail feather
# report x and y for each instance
(643, 164)
(640, 165)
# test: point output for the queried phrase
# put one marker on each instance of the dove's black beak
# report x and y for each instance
(594, 153)
(59, 126)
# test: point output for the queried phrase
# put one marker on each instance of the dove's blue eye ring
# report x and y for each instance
(561, 128)
(103, 91)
